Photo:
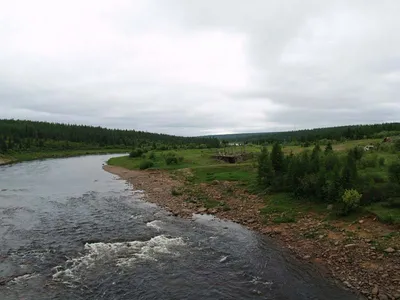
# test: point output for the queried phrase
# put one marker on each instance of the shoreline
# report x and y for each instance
(24, 157)
(346, 252)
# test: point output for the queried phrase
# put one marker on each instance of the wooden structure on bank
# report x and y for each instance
(233, 154)
(232, 158)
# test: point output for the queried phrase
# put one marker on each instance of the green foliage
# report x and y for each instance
(396, 145)
(305, 137)
(171, 158)
(146, 164)
(381, 161)
(328, 148)
(277, 159)
(370, 161)
(357, 153)
(265, 170)
(19, 136)
(350, 201)
(136, 153)
(152, 156)
(394, 172)
(385, 213)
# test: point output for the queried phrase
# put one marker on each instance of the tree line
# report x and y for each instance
(354, 132)
(326, 176)
(21, 135)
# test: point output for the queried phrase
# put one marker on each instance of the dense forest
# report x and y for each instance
(21, 136)
(354, 132)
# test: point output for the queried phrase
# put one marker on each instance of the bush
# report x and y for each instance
(394, 172)
(369, 161)
(381, 161)
(145, 164)
(152, 156)
(349, 202)
(172, 159)
(397, 145)
(372, 195)
(136, 153)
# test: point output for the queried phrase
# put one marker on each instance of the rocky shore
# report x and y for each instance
(363, 255)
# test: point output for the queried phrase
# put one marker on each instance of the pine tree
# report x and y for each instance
(328, 148)
(3, 145)
(315, 159)
(277, 159)
(265, 172)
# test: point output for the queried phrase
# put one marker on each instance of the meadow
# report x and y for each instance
(283, 207)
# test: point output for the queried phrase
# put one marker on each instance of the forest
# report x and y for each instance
(347, 179)
(340, 133)
(25, 136)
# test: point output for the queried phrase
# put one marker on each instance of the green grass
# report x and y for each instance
(279, 208)
(227, 172)
(192, 158)
(385, 214)
(283, 208)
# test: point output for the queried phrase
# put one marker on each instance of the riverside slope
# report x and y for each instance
(343, 251)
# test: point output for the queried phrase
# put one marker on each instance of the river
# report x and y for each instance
(69, 230)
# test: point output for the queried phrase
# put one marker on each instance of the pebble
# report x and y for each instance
(383, 297)
(346, 283)
(389, 250)
(375, 290)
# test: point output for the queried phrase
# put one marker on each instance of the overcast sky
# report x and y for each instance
(195, 67)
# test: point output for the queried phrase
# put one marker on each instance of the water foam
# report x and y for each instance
(22, 278)
(121, 254)
(258, 280)
(155, 224)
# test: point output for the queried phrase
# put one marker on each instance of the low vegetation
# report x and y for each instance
(343, 176)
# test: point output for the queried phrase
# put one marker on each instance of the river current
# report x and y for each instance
(70, 230)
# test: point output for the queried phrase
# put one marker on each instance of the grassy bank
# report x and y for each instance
(28, 156)
(198, 167)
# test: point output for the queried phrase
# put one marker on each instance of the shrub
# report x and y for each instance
(328, 148)
(381, 161)
(369, 161)
(349, 202)
(170, 160)
(136, 153)
(357, 153)
(145, 164)
(373, 194)
(394, 172)
(397, 145)
(152, 156)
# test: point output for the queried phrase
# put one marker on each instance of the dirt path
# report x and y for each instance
(364, 255)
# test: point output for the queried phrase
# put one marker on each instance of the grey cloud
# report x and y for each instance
(195, 67)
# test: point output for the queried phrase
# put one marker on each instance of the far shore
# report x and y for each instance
(346, 251)
(30, 156)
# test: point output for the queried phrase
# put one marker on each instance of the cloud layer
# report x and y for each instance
(200, 67)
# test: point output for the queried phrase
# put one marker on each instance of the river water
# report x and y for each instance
(69, 230)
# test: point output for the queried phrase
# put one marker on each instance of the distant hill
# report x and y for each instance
(350, 132)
